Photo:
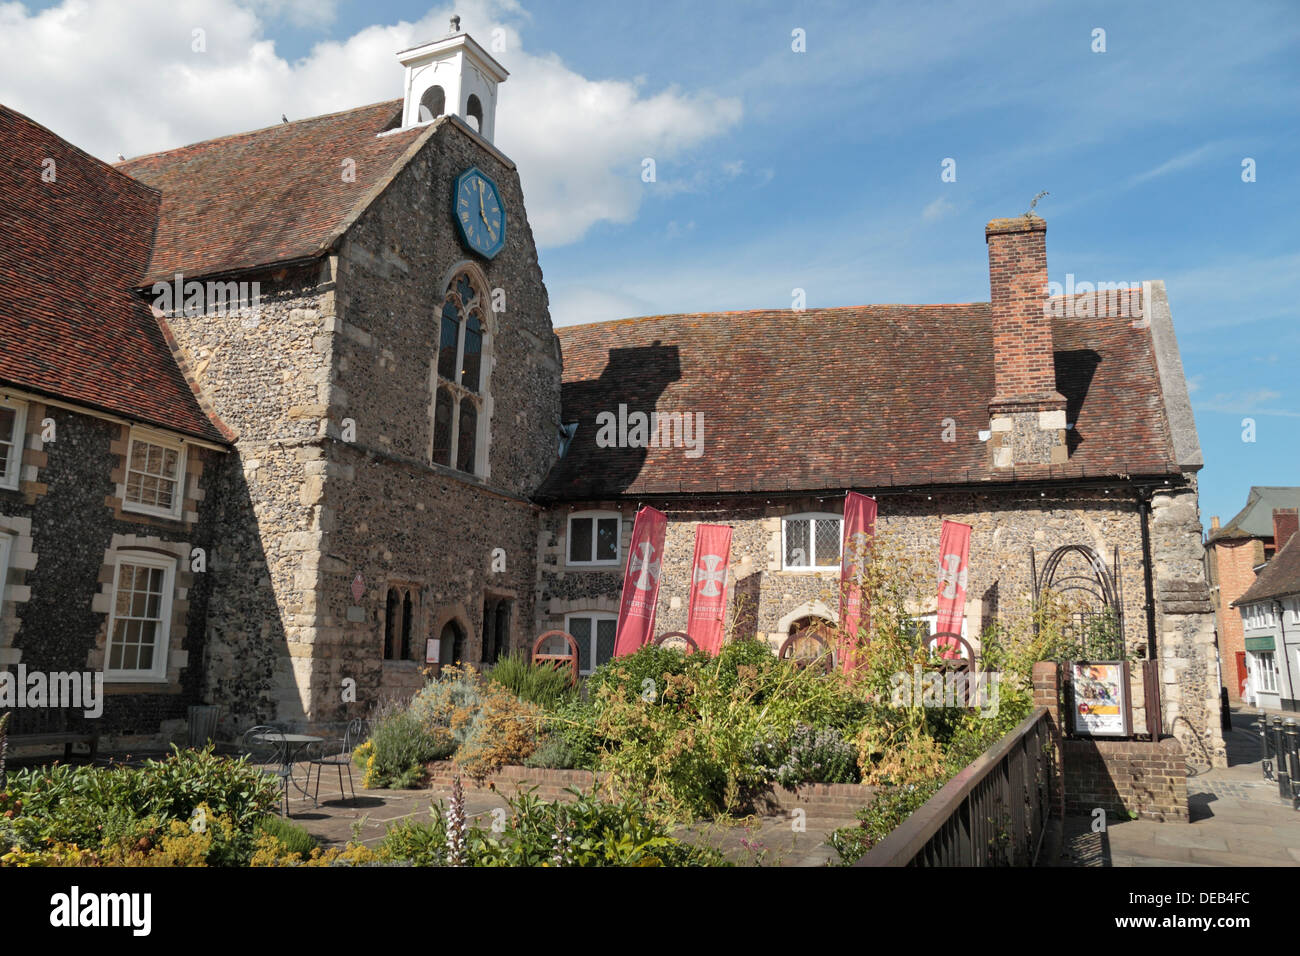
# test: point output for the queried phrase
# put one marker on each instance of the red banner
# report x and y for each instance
(708, 607)
(636, 612)
(859, 529)
(954, 554)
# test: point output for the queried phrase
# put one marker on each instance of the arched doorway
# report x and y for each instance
(809, 640)
(451, 644)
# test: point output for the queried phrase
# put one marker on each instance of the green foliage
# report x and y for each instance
(483, 724)
(807, 755)
(400, 745)
(292, 837)
(174, 787)
(543, 686)
(109, 812)
(640, 673)
(890, 807)
(690, 748)
(584, 832)
(553, 753)
(574, 723)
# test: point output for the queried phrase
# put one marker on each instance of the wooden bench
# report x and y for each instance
(67, 738)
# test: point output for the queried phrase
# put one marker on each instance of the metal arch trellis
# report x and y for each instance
(1102, 585)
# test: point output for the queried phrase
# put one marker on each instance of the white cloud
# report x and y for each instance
(113, 77)
(937, 209)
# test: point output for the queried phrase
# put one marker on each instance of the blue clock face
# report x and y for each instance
(479, 213)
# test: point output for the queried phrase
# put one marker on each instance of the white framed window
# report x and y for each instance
(810, 542)
(139, 626)
(13, 428)
(594, 631)
(594, 538)
(1266, 668)
(155, 475)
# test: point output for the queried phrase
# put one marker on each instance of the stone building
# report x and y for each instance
(382, 442)
(1232, 553)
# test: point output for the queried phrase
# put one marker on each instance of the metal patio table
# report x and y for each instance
(291, 747)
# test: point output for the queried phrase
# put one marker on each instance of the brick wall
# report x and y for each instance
(1235, 560)
(1142, 777)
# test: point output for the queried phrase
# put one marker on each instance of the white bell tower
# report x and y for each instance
(452, 75)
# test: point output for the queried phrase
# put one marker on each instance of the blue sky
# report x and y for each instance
(818, 170)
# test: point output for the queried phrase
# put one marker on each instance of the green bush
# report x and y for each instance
(553, 753)
(400, 745)
(543, 686)
(130, 809)
(584, 832)
(806, 755)
(574, 723)
(629, 675)
(295, 838)
(890, 807)
(174, 787)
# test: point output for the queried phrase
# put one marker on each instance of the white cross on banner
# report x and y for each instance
(954, 555)
(708, 609)
(636, 611)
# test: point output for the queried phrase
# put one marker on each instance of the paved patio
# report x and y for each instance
(1237, 819)
(773, 839)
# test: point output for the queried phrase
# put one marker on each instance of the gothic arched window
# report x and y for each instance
(461, 399)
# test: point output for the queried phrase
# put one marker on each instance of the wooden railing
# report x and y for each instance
(993, 813)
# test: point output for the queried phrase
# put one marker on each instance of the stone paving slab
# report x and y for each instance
(1237, 819)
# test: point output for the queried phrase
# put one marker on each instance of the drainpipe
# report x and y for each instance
(1144, 507)
(1281, 630)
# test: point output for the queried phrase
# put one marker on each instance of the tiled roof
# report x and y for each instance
(1279, 578)
(71, 250)
(1256, 519)
(272, 195)
(846, 397)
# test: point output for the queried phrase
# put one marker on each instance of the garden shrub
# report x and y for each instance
(400, 745)
(543, 686)
(291, 837)
(587, 831)
(806, 755)
(629, 674)
(553, 753)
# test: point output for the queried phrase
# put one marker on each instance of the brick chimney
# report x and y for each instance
(1285, 524)
(1027, 413)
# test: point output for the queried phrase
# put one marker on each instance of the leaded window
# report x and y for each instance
(459, 432)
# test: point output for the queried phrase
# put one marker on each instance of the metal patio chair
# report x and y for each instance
(353, 737)
(260, 743)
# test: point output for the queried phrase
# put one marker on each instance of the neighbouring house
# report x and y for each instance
(305, 379)
(1270, 622)
(1232, 553)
